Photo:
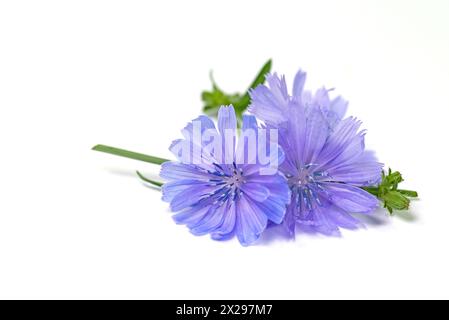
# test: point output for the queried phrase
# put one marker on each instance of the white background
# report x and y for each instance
(78, 224)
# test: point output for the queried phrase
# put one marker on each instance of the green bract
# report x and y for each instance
(388, 192)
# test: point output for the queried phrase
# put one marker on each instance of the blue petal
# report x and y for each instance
(205, 122)
(278, 87)
(191, 195)
(292, 141)
(338, 107)
(226, 119)
(172, 188)
(251, 222)
(272, 208)
(322, 100)
(320, 222)
(188, 152)
(211, 221)
(191, 216)
(227, 125)
(247, 143)
(289, 221)
(317, 132)
(345, 135)
(349, 154)
(298, 85)
(172, 170)
(277, 186)
(366, 171)
(342, 219)
(275, 179)
(249, 122)
(351, 199)
(255, 191)
(191, 149)
(226, 230)
(266, 107)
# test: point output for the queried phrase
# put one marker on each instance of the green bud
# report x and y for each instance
(388, 192)
(395, 200)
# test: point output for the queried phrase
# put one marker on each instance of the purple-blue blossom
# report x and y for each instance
(325, 158)
(223, 192)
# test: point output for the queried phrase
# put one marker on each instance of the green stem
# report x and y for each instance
(129, 154)
(154, 183)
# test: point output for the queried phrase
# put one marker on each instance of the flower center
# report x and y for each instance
(305, 176)
(235, 180)
(230, 177)
(306, 185)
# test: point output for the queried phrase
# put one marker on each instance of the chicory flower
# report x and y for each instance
(224, 190)
(326, 163)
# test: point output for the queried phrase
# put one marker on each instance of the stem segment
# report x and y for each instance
(129, 154)
(154, 183)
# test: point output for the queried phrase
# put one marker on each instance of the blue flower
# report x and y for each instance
(325, 158)
(223, 191)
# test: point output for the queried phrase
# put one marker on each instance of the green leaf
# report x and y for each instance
(260, 78)
(408, 193)
(129, 154)
(216, 98)
(153, 182)
(245, 100)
